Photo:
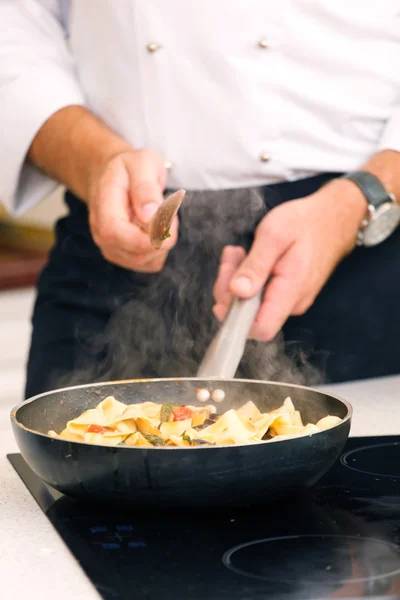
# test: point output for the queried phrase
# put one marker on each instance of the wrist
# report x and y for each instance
(95, 146)
(347, 208)
(73, 145)
(96, 166)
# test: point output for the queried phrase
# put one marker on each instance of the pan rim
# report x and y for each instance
(14, 411)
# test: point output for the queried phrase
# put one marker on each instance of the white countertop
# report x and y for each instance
(35, 563)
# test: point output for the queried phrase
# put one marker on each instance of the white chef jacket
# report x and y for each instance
(233, 93)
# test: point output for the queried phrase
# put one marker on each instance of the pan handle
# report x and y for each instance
(225, 352)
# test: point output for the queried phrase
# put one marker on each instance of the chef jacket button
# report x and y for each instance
(153, 47)
(263, 44)
(167, 164)
(265, 157)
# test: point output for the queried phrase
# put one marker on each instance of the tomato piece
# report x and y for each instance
(181, 413)
(96, 429)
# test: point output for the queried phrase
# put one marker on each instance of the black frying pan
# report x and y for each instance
(167, 477)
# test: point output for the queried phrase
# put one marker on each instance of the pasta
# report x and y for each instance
(148, 424)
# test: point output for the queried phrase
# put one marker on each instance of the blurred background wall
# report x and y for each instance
(24, 245)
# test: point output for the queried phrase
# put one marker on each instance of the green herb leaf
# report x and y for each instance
(156, 440)
(165, 413)
(186, 438)
(165, 235)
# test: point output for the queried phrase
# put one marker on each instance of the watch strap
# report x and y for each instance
(370, 186)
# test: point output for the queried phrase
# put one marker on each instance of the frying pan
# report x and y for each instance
(183, 478)
(179, 478)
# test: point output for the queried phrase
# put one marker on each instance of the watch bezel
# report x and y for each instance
(369, 237)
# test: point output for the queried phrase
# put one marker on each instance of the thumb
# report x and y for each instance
(147, 174)
(146, 197)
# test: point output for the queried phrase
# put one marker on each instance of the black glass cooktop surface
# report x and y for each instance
(338, 540)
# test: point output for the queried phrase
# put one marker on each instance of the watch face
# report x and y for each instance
(383, 222)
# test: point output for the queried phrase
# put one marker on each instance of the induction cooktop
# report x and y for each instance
(340, 539)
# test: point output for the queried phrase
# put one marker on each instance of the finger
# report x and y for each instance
(147, 175)
(154, 266)
(111, 202)
(279, 300)
(137, 260)
(128, 237)
(127, 261)
(220, 311)
(267, 248)
(231, 258)
(282, 294)
(110, 215)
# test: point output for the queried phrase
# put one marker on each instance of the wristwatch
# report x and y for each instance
(383, 210)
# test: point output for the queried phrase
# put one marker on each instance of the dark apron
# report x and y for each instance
(95, 321)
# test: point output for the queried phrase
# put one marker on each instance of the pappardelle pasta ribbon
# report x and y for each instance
(148, 424)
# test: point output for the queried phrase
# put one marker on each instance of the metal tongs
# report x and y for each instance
(225, 352)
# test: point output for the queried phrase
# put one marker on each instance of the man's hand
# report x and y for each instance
(124, 194)
(121, 186)
(298, 245)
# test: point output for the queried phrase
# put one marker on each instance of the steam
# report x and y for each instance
(163, 323)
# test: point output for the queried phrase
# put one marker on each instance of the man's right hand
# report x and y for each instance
(123, 194)
(122, 187)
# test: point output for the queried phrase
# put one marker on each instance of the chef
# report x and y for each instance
(123, 100)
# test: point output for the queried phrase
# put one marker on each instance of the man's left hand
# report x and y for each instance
(297, 245)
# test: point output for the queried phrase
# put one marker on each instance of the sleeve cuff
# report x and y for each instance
(25, 105)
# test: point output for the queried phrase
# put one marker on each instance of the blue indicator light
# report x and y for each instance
(136, 545)
(124, 527)
(110, 546)
(99, 529)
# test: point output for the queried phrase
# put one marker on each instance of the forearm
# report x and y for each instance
(72, 145)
